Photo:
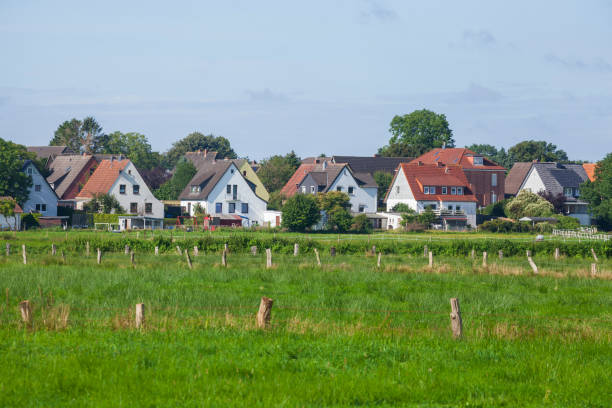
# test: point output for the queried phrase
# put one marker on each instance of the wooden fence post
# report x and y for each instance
(373, 249)
(425, 250)
(226, 248)
(188, 258)
(8, 249)
(430, 259)
(528, 253)
(140, 315)
(473, 253)
(268, 258)
(296, 249)
(254, 250)
(316, 251)
(594, 255)
(156, 250)
(63, 256)
(265, 312)
(87, 248)
(455, 317)
(332, 251)
(132, 258)
(196, 250)
(224, 258)
(99, 256)
(534, 267)
(127, 249)
(378, 262)
(556, 254)
(178, 249)
(26, 312)
(53, 249)
(593, 269)
(501, 254)
(484, 259)
(25, 255)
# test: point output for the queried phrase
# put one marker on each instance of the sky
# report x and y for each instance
(314, 77)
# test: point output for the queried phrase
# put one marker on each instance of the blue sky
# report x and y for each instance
(316, 76)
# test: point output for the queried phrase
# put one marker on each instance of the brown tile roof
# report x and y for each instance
(516, 176)
(200, 157)
(590, 170)
(65, 170)
(432, 174)
(103, 178)
(456, 156)
(17, 207)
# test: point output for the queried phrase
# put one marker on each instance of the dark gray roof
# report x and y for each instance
(48, 152)
(372, 164)
(208, 175)
(200, 157)
(365, 180)
(325, 174)
(556, 176)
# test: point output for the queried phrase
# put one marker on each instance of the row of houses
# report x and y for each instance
(451, 182)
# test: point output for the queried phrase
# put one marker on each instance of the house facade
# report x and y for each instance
(220, 188)
(443, 189)
(560, 179)
(486, 179)
(42, 198)
(121, 179)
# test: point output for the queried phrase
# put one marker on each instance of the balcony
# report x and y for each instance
(446, 212)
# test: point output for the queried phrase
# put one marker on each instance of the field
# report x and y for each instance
(341, 334)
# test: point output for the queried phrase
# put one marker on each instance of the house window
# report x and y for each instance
(91, 170)
(459, 190)
(432, 190)
(426, 190)
(228, 189)
(450, 208)
(232, 208)
(130, 172)
(443, 190)
(303, 189)
(351, 190)
(477, 160)
(339, 188)
(245, 208)
(30, 171)
(37, 187)
(453, 190)
(458, 208)
(121, 188)
(41, 207)
(361, 208)
(494, 179)
(195, 189)
(312, 189)
(148, 208)
(567, 191)
(576, 192)
(493, 198)
(136, 189)
(397, 189)
(133, 208)
(218, 208)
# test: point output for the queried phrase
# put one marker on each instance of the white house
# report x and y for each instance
(220, 189)
(42, 198)
(444, 189)
(121, 179)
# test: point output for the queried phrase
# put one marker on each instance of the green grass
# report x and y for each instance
(345, 334)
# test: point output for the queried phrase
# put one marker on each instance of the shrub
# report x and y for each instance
(339, 219)
(30, 220)
(300, 212)
(495, 209)
(528, 204)
(402, 208)
(566, 223)
(361, 224)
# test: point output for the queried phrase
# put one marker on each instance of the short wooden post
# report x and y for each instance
(316, 251)
(140, 315)
(473, 254)
(430, 259)
(484, 259)
(53, 249)
(127, 249)
(378, 262)
(425, 250)
(534, 267)
(63, 256)
(137, 234)
(188, 258)
(87, 248)
(373, 248)
(528, 253)
(25, 255)
(265, 312)
(332, 251)
(500, 254)
(296, 249)
(594, 255)
(455, 317)
(254, 250)
(132, 258)
(224, 258)
(268, 258)
(26, 312)
(557, 255)
(226, 248)
(178, 250)
(8, 249)
(593, 270)
(156, 250)
(196, 250)
(99, 256)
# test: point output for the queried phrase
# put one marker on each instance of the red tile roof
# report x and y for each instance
(290, 187)
(103, 178)
(456, 156)
(590, 170)
(17, 207)
(434, 175)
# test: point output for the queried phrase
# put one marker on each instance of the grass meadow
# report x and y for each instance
(343, 334)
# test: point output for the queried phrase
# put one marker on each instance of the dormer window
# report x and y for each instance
(195, 189)
(453, 190)
(444, 190)
(29, 171)
(568, 192)
(429, 190)
(459, 190)
(478, 161)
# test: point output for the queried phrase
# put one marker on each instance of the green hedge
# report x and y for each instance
(107, 218)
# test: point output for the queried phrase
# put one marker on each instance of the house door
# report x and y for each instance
(277, 220)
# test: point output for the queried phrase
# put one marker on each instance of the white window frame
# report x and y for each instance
(312, 189)
(494, 180)
(453, 190)
(459, 190)
(444, 190)
(303, 189)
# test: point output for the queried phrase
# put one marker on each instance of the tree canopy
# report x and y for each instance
(14, 182)
(133, 145)
(84, 136)
(198, 141)
(416, 133)
(275, 171)
(171, 189)
(598, 193)
(491, 152)
(7, 209)
(300, 212)
(528, 204)
(530, 150)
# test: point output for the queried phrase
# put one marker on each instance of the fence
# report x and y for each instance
(588, 234)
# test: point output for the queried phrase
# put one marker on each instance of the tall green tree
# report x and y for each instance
(300, 212)
(598, 193)
(171, 189)
(7, 209)
(133, 145)
(14, 182)
(84, 136)
(416, 133)
(383, 181)
(336, 205)
(275, 171)
(530, 150)
(198, 141)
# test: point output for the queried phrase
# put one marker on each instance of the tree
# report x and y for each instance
(274, 172)
(557, 200)
(7, 209)
(383, 181)
(276, 201)
(530, 150)
(416, 133)
(361, 224)
(133, 145)
(339, 219)
(598, 193)
(104, 203)
(13, 181)
(155, 177)
(528, 204)
(80, 136)
(300, 212)
(171, 189)
(332, 199)
(198, 141)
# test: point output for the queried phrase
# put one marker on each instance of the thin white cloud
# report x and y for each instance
(376, 11)
(597, 65)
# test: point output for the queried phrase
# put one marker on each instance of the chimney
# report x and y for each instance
(443, 145)
(205, 152)
(324, 165)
